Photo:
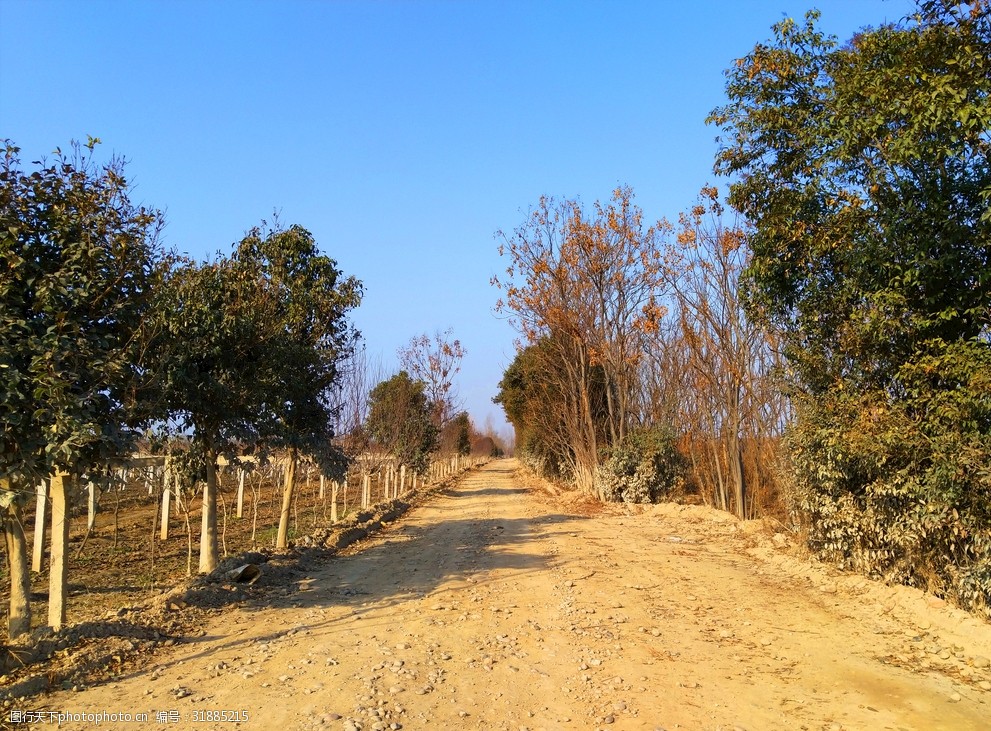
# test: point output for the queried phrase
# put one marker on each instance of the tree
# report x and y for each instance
(211, 352)
(435, 362)
(456, 436)
(587, 284)
(78, 260)
(865, 171)
(304, 300)
(728, 405)
(350, 398)
(557, 411)
(401, 421)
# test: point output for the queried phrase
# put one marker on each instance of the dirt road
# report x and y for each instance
(498, 606)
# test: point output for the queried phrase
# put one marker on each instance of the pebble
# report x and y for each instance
(956, 697)
(981, 662)
(984, 685)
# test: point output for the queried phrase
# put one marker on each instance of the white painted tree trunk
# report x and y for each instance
(90, 505)
(38, 556)
(209, 550)
(163, 533)
(58, 567)
(240, 493)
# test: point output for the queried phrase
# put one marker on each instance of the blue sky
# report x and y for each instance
(402, 134)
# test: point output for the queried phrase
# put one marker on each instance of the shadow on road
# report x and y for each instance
(452, 541)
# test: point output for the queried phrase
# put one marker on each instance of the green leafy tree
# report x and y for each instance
(464, 434)
(455, 435)
(78, 267)
(865, 171)
(400, 419)
(549, 401)
(303, 301)
(210, 351)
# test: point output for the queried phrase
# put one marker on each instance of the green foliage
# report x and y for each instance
(645, 468)
(525, 395)
(209, 352)
(865, 170)
(462, 427)
(77, 259)
(544, 403)
(400, 420)
(901, 489)
(301, 302)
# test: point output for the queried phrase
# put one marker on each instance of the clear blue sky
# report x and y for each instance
(402, 134)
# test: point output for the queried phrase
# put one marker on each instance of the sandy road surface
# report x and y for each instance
(498, 606)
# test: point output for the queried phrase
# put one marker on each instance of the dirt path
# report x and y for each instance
(496, 606)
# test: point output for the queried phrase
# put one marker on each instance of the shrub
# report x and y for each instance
(644, 468)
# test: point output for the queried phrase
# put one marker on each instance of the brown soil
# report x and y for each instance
(495, 605)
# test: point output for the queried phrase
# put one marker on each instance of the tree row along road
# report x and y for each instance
(496, 605)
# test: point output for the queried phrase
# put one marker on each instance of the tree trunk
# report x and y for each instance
(19, 617)
(208, 526)
(737, 474)
(288, 487)
(39, 526)
(58, 567)
(734, 454)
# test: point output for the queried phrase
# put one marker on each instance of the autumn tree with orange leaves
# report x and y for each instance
(586, 285)
(718, 364)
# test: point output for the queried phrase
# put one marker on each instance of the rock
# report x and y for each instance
(956, 697)
(984, 685)
(980, 661)
(245, 574)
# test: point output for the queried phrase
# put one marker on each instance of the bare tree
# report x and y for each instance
(435, 361)
(717, 361)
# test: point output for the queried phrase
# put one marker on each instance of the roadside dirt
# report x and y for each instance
(496, 605)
